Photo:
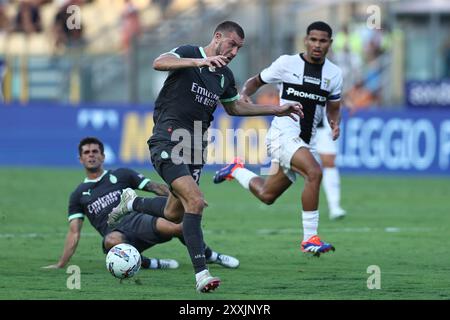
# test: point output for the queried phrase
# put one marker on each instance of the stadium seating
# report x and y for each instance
(100, 20)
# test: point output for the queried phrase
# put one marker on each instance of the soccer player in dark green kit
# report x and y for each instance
(144, 225)
(198, 79)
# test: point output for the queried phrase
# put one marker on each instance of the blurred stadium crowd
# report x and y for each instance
(43, 22)
(95, 50)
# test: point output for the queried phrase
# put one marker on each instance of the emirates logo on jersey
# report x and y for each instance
(203, 95)
(102, 202)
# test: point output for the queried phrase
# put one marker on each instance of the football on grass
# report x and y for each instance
(123, 261)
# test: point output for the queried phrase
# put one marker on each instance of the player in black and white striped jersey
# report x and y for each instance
(314, 81)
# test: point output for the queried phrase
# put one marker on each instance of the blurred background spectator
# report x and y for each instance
(347, 53)
(67, 35)
(163, 6)
(130, 24)
(359, 51)
(4, 20)
(28, 17)
(358, 97)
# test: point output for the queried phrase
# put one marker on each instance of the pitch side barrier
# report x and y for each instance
(378, 141)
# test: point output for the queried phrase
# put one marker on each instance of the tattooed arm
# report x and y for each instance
(157, 188)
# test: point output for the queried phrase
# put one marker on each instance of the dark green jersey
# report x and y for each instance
(190, 96)
(96, 198)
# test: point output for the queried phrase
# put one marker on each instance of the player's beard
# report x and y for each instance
(316, 59)
(219, 49)
(220, 53)
(94, 169)
(321, 58)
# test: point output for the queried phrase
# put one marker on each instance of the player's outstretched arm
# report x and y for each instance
(72, 238)
(243, 108)
(168, 61)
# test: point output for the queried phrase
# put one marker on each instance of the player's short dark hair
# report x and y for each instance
(90, 140)
(230, 26)
(321, 26)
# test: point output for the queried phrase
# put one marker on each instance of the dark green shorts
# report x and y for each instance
(140, 231)
(169, 169)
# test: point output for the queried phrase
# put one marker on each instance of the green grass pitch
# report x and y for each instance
(400, 224)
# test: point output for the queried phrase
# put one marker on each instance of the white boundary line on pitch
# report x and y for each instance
(348, 230)
(43, 235)
(259, 231)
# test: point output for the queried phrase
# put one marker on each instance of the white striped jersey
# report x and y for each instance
(310, 84)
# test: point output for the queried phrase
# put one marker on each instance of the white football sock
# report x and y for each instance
(153, 264)
(310, 223)
(243, 176)
(214, 256)
(130, 205)
(332, 186)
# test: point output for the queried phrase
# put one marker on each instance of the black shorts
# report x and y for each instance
(139, 230)
(168, 170)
